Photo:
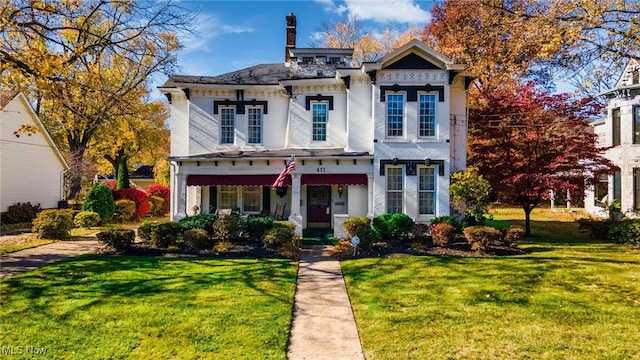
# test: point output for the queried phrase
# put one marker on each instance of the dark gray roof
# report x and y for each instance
(264, 74)
(281, 153)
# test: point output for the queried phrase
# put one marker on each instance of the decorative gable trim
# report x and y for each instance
(412, 91)
(309, 99)
(413, 61)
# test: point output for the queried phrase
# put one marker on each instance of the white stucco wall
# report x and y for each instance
(30, 169)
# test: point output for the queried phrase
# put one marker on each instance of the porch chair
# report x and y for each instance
(279, 215)
(223, 212)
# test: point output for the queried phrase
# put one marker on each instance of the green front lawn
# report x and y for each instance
(99, 307)
(570, 298)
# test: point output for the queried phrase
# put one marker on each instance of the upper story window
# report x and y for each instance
(395, 115)
(636, 124)
(615, 117)
(307, 59)
(334, 60)
(395, 189)
(254, 125)
(227, 125)
(427, 115)
(320, 116)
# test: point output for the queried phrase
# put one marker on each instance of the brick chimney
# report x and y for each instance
(291, 35)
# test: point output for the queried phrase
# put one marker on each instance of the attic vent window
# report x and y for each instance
(334, 60)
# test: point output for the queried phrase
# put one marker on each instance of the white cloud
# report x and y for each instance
(381, 11)
(207, 29)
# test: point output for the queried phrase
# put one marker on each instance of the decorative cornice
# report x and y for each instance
(411, 166)
(412, 75)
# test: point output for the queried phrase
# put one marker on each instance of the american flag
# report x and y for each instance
(291, 165)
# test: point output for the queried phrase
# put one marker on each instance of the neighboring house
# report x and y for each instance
(620, 130)
(142, 177)
(378, 138)
(31, 166)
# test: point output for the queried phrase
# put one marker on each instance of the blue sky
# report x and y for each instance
(233, 35)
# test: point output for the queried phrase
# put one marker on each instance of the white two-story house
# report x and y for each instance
(620, 130)
(377, 138)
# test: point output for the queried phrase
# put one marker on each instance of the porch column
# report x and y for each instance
(370, 196)
(179, 198)
(296, 217)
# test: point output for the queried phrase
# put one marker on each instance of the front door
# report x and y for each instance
(319, 206)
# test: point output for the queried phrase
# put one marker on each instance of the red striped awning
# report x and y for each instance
(240, 180)
(334, 179)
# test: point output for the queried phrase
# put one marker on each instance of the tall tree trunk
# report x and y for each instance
(527, 219)
(115, 160)
(76, 158)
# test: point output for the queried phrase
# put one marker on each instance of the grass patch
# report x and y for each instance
(10, 244)
(571, 298)
(98, 307)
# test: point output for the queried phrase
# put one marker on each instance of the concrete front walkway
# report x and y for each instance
(323, 322)
(29, 259)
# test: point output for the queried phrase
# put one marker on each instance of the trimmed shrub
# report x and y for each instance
(156, 205)
(123, 174)
(163, 192)
(342, 250)
(421, 233)
(139, 197)
(20, 213)
(511, 234)
(351, 226)
(197, 239)
(451, 220)
(228, 227)
(625, 232)
(598, 229)
(257, 226)
(119, 239)
(160, 234)
(125, 211)
(284, 224)
(86, 219)
(392, 227)
(479, 237)
(53, 224)
(442, 233)
(223, 247)
(100, 200)
(276, 237)
(367, 238)
(200, 221)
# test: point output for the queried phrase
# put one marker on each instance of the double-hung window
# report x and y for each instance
(636, 188)
(227, 125)
(395, 189)
(251, 198)
(636, 124)
(254, 129)
(320, 116)
(427, 115)
(426, 191)
(615, 128)
(228, 197)
(395, 115)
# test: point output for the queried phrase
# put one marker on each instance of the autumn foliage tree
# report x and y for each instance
(526, 141)
(86, 64)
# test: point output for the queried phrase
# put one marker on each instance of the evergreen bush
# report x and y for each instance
(257, 226)
(156, 205)
(277, 237)
(200, 221)
(197, 239)
(353, 225)
(163, 192)
(138, 196)
(125, 211)
(228, 227)
(480, 237)
(393, 227)
(100, 200)
(119, 239)
(625, 232)
(20, 213)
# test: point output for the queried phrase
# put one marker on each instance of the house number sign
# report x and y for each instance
(320, 169)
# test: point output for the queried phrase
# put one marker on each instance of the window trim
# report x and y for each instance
(222, 125)
(260, 126)
(239, 197)
(402, 122)
(435, 115)
(635, 113)
(434, 191)
(326, 121)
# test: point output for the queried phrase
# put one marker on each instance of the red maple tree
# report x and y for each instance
(526, 142)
